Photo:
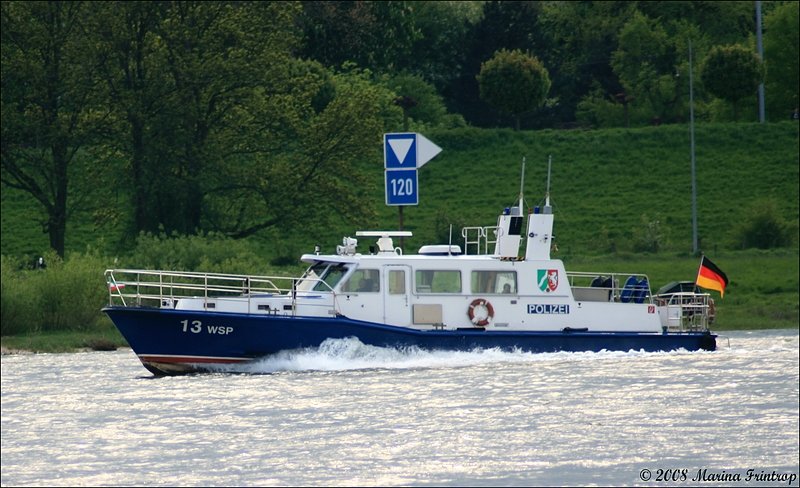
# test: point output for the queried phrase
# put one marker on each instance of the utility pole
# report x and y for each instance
(691, 137)
(760, 46)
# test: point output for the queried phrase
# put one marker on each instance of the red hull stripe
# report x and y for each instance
(166, 358)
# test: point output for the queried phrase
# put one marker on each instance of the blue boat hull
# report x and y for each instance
(170, 341)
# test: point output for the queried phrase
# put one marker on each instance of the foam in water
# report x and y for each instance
(351, 354)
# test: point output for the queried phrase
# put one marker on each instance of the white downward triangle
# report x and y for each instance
(400, 148)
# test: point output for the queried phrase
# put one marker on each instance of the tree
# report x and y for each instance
(514, 82)
(644, 67)
(438, 54)
(724, 22)
(418, 99)
(782, 51)
(377, 35)
(216, 56)
(732, 73)
(50, 109)
(314, 176)
(503, 25)
(225, 129)
(131, 63)
(582, 37)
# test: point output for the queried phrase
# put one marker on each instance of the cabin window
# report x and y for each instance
(321, 273)
(438, 281)
(494, 282)
(363, 281)
(397, 282)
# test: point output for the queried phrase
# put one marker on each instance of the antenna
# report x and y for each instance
(547, 193)
(521, 185)
(450, 241)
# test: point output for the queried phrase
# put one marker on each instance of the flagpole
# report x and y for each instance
(699, 268)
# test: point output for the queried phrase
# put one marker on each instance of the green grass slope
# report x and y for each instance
(608, 189)
(608, 185)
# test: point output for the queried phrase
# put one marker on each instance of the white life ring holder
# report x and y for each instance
(712, 310)
(478, 319)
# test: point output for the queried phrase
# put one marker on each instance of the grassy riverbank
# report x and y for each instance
(101, 338)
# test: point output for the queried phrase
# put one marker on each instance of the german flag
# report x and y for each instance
(710, 276)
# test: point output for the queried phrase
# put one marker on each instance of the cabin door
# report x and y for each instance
(397, 283)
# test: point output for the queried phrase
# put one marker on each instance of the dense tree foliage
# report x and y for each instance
(502, 25)
(378, 35)
(732, 73)
(782, 56)
(50, 105)
(419, 101)
(643, 65)
(514, 83)
(237, 117)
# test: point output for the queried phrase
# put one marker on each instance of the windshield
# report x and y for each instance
(319, 274)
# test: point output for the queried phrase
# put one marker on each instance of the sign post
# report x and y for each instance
(403, 154)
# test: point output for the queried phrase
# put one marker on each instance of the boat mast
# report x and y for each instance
(522, 184)
(547, 191)
(540, 226)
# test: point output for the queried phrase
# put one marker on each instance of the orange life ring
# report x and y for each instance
(480, 319)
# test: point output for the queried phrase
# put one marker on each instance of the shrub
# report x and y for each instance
(17, 307)
(763, 227)
(597, 110)
(650, 237)
(69, 294)
(66, 295)
(732, 73)
(513, 82)
(212, 253)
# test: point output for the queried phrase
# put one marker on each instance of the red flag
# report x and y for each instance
(114, 287)
(710, 276)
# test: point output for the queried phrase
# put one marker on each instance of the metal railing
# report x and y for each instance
(686, 311)
(151, 288)
(481, 235)
(587, 282)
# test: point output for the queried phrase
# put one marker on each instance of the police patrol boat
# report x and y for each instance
(486, 295)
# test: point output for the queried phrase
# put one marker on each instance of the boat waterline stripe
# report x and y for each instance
(174, 358)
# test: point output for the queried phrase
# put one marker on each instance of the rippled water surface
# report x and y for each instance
(350, 414)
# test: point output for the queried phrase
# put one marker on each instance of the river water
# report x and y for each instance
(348, 414)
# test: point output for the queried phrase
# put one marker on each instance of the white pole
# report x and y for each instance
(760, 45)
(691, 132)
(547, 194)
(522, 188)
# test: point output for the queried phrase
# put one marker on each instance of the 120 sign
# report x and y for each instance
(403, 187)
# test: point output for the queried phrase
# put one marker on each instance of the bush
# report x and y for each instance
(69, 294)
(763, 227)
(650, 237)
(72, 292)
(16, 307)
(212, 253)
(597, 110)
(66, 295)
